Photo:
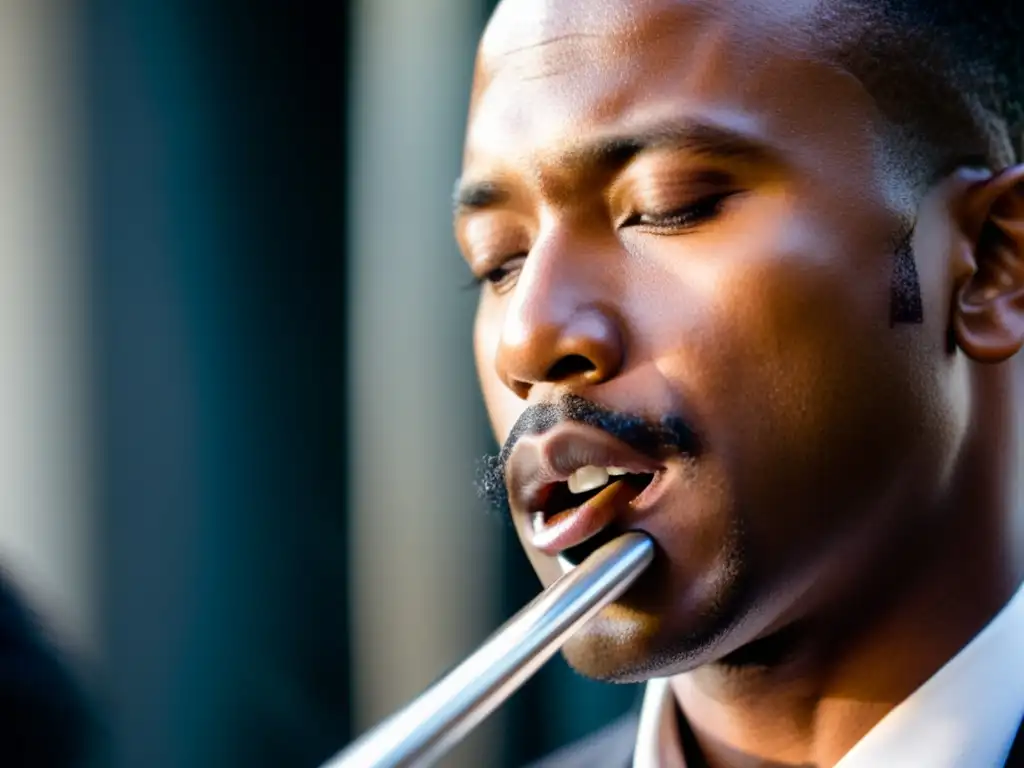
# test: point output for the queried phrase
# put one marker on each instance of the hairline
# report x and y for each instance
(906, 72)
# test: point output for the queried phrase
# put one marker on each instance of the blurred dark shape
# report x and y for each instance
(45, 718)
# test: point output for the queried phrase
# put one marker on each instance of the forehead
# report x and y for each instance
(553, 74)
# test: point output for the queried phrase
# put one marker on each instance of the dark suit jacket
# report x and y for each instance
(612, 747)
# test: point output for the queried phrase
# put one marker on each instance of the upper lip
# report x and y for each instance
(540, 461)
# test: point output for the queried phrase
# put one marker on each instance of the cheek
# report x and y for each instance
(503, 407)
(806, 340)
(808, 396)
(770, 309)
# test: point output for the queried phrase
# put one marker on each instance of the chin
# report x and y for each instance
(616, 646)
(625, 644)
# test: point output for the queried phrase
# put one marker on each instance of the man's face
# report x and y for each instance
(683, 213)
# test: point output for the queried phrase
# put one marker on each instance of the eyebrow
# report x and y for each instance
(614, 151)
(477, 195)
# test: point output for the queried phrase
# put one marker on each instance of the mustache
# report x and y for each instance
(670, 434)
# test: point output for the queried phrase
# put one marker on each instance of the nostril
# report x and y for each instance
(569, 367)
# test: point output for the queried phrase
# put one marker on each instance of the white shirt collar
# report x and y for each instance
(965, 716)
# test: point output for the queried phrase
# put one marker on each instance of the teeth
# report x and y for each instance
(616, 471)
(587, 479)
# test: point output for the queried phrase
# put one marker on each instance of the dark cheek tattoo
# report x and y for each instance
(905, 305)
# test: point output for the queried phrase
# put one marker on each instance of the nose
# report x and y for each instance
(559, 329)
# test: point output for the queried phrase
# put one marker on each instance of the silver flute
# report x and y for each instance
(424, 730)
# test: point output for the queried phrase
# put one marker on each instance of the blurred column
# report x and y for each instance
(215, 170)
(424, 558)
(45, 512)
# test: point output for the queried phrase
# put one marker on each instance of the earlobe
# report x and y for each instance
(988, 305)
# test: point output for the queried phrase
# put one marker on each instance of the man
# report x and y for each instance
(752, 281)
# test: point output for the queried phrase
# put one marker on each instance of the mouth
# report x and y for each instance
(575, 488)
(587, 507)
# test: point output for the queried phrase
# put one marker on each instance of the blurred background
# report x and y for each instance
(240, 417)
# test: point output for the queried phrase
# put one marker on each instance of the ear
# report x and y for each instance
(988, 304)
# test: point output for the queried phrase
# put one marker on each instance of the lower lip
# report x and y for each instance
(575, 526)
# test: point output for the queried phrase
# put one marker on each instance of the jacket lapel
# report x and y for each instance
(1016, 757)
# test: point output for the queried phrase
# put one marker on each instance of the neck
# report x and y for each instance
(814, 700)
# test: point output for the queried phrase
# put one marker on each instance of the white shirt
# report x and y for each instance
(965, 716)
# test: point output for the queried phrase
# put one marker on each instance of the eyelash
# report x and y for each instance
(681, 219)
(673, 222)
(496, 277)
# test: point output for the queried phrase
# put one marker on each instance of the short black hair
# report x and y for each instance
(947, 74)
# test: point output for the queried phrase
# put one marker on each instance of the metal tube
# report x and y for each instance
(423, 731)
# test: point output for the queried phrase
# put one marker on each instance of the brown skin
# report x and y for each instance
(855, 496)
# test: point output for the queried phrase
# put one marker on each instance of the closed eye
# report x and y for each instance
(502, 277)
(680, 219)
